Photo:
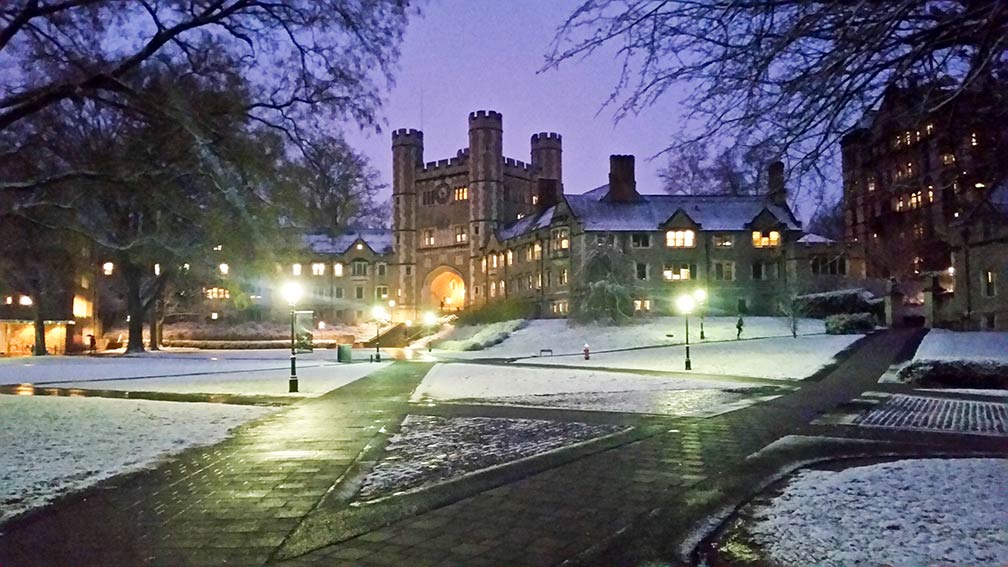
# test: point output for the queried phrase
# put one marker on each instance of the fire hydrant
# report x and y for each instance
(587, 352)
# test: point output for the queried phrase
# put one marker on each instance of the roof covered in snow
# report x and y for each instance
(528, 224)
(810, 238)
(711, 212)
(377, 239)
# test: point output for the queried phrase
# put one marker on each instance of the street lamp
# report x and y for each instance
(292, 292)
(685, 304)
(380, 315)
(429, 319)
(701, 298)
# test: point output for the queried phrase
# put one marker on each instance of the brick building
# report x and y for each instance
(909, 173)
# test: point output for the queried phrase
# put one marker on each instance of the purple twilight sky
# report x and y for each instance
(465, 55)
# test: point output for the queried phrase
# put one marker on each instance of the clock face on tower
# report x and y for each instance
(442, 194)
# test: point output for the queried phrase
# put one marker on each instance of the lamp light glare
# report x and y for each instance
(379, 313)
(685, 304)
(291, 292)
(429, 319)
(700, 295)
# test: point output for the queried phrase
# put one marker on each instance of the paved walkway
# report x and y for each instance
(264, 496)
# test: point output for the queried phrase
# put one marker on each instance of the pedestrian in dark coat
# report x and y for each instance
(738, 327)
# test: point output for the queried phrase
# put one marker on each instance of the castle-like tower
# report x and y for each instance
(446, 213)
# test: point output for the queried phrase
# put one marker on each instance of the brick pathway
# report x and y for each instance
(229, 504)
(256, 498)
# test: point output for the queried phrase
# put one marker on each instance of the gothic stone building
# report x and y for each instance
(481, 227)
(910, 173)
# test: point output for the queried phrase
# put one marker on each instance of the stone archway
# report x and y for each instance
(444, 288)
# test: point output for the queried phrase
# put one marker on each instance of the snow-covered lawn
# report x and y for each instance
(905, 513)
(55, 445)
(218, 372)
(565, 337)
(312, 381)
(940, 344)
(431, 448)
(594, 390)
(780, 358)
(950, 358)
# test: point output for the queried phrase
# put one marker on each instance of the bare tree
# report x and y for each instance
(307, 60)
(693, 169)
(828, 220)
(797, 72)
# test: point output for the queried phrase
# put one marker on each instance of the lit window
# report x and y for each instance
(520, 216)
(296, 269)
(909, 168)
(561, 239)
(428, 238)
(461, 236)
(680, 239)
(988, 281)
(678, 272)
(483, 264)
(724, 240)
(973, 139)
(642, 305)
(493, 260)
(337, 270)
(537, 251)
(224, 269)
(535, 199)
(765, 239)
(25, 300)
(381, 292)
(948, 159)
(461, 193)
(382, 268)
(493, 289)
(871, 185)
(929, 128)
(218, 293)
(218, 248)
(214, 316)
(9, 300)
(108, 268)
(318, 269)
(510, 257)
(502, 288)
(82, 307)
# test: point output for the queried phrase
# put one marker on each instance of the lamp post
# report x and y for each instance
(429, 319)
(700, 295)
(292, 292)
(380, 315)
(685, 304)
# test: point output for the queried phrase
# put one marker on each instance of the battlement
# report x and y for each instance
(485, 119)
(546, 137)
(407, 136)
(457, 161)
(517, 163)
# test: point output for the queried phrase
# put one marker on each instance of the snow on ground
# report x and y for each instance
(56, 445)
(432, 448)
(940, 344)
(218, 372)
(593, 390)
(568, 338)
(904, 513)
(312, 381)
(781, 358)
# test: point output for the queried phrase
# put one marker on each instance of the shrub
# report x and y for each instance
(978, 373)
(497, 312)
(845, 301)
(487, 336)
(605, 300)
(852, 324)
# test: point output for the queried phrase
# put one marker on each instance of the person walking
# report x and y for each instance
(92, 344)
(738, 328)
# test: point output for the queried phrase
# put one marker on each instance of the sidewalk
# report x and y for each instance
(228, 504)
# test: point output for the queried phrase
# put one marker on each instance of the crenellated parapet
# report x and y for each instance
(407, 137)
(490, 119)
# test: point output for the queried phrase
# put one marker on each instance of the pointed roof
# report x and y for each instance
(379, 240)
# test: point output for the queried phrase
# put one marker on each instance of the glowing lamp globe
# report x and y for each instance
(429, 319)
(700, 295)
(292, 292)
(685, 304)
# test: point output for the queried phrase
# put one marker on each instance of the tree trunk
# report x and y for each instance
(134, 307)
(154, 325)
(40, 346)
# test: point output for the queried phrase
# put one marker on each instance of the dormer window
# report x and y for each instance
(680, 239)
(763, 239)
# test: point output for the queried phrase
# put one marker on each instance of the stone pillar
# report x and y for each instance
(407, 156)
(486, 189)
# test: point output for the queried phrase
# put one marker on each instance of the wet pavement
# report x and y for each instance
(280, 492)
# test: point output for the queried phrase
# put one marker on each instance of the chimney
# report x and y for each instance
(622, 184)
(776, 191)
(547, 193)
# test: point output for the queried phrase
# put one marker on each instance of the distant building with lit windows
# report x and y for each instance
(480, 228)
(909, 174)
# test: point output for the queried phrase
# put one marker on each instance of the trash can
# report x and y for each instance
(344, 354)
